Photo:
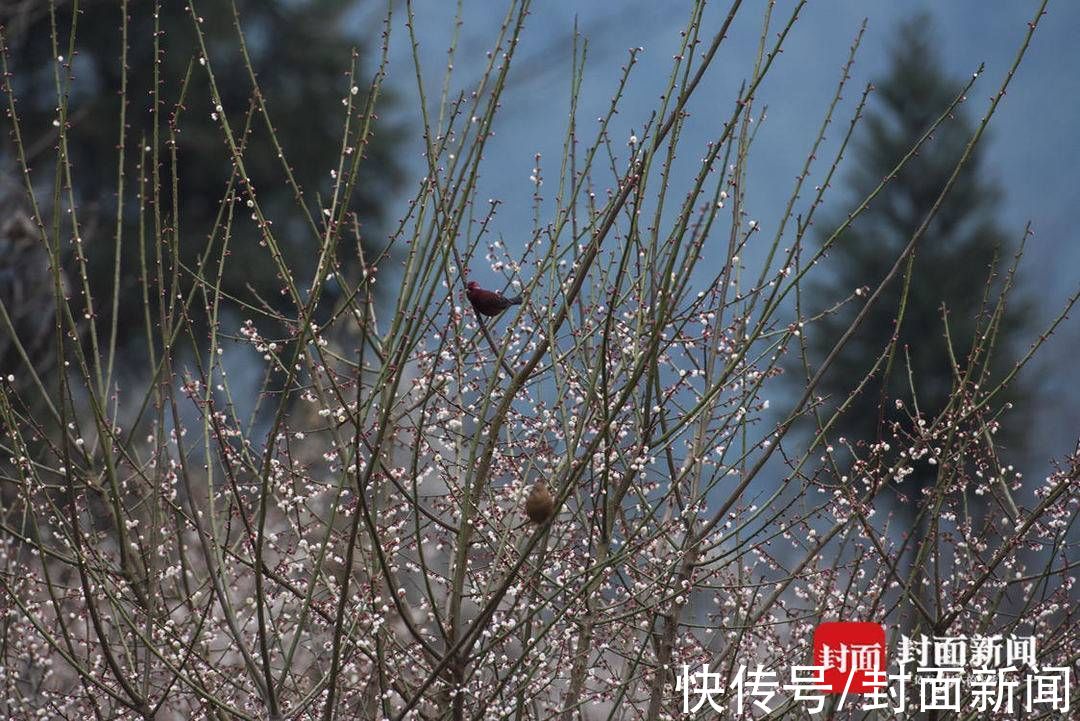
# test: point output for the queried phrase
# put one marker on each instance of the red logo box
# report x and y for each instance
(850, 653)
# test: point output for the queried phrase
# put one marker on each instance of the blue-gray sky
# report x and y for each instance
(1032, 150)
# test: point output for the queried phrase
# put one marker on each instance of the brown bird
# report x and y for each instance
(540, 504)
(488, 302)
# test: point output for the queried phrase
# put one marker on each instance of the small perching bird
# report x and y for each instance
(539, 504)
(488, 302)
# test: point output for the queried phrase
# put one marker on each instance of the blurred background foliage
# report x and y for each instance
(301, 53)
(964, 249)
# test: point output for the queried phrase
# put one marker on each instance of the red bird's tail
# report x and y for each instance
(515, 300)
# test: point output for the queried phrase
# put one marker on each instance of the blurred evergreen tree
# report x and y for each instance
(300, 50)
(952, 264)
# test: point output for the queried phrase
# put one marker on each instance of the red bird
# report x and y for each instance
(488, 302)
